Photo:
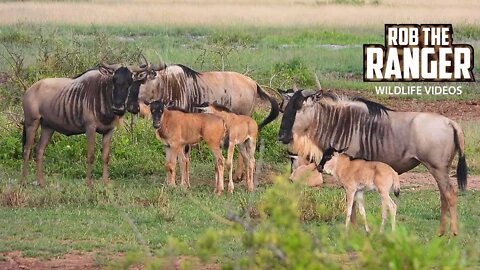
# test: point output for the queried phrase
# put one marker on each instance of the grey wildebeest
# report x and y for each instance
(89, 103)
(186, 87)
(243, 132)
(178, 129)
(357, 175)
(314, 121)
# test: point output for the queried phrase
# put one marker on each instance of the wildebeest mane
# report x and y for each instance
(81, 74)
(374, 108)
(175, 108)
(220, 107)
(189, 72)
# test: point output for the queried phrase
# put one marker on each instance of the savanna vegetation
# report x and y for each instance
(280, 226)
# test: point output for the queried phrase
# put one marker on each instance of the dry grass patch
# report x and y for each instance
(265, 13)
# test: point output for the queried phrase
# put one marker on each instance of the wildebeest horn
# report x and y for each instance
(317, 82)
(111, 67)
(139, 69)
(295, 88)
(307, 93)
(158, 67)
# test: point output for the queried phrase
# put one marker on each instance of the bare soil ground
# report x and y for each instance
(85, 261)
(465, 110)
(15, 260)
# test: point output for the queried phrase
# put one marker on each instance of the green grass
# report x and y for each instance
(66, 216)
(292, 54)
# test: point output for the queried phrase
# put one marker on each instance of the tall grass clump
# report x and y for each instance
(30, 53)
(279, 237)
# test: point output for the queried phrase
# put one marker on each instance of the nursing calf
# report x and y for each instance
(178, 129)
(357, 175)
(304, 170)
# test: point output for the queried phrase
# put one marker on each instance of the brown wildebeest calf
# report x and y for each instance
(177, 129)
(243, 131)
(357, 175)
(307, 173)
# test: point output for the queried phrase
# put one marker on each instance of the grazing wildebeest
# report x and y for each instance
(243, 131)
(89, 103)
(178, 129)
(186, 87)
(358, 175)
(314, 121)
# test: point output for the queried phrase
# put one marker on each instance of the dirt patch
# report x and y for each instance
(84, 261)
(466, 110)
(14, 260)
(419, 181)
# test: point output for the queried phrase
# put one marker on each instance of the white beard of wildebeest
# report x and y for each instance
(370, 131)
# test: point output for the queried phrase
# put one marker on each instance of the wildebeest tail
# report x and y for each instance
(226, 139)
(462, 163)
(273, 112)
(396, 184)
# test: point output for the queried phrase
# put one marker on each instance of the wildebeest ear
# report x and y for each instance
(146, 103)
(341, 151)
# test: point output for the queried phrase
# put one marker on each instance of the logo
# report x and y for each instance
(418, 53)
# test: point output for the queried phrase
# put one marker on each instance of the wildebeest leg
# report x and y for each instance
(251, 144)
(242, 148)
(385, 206)
(353, 217)
(29, 133)
(219, 161)
(171, 163)
(42, 144)
(393, 211)
(185, 162)
(239, 171)
(361, 208)
(183, 157)
(90, 154)
(350, 195)
(106, 141)
(448, 198)
(229, 164)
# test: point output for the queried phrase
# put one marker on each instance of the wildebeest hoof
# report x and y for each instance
(35, 184)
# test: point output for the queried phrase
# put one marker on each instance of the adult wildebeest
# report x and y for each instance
(88, 103)
(315, 121)
(185, 88)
